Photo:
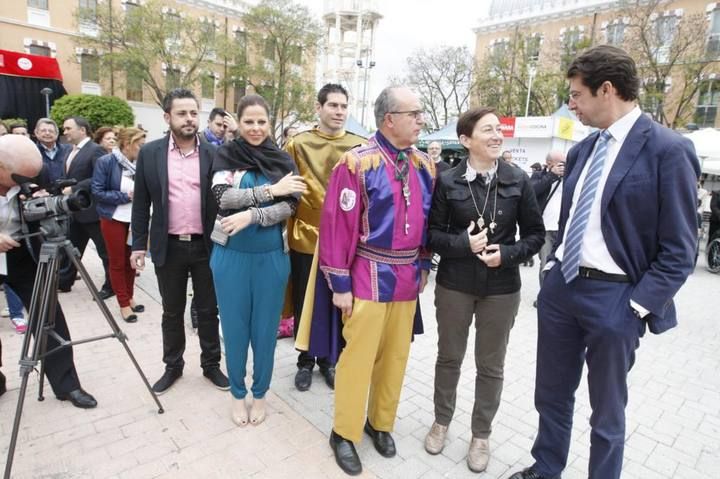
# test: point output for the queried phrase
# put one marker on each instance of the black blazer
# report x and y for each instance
(151, 189)
(81, 169)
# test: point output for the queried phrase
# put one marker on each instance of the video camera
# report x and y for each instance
(51, 211)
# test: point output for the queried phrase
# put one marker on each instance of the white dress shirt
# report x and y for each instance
(594, 252)
(74, 152)
(9, 220)
(551, 213)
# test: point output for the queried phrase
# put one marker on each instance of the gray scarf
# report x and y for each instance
(127, 166)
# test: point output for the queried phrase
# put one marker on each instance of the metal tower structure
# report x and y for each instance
(350, 27)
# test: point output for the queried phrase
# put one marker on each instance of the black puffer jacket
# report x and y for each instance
(453, 210)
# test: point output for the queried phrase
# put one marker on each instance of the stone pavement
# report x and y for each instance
(673, 414)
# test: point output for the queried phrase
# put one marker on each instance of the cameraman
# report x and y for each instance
(18, 155)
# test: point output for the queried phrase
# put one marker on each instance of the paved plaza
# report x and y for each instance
(673, 428)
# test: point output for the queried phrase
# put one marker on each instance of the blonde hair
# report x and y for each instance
(128, 136)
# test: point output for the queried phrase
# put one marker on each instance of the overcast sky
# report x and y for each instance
(411, 24)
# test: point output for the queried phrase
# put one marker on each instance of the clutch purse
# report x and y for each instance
(218, 235)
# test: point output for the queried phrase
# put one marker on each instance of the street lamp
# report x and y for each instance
(46, 92)
(531, 76)
(367, 67)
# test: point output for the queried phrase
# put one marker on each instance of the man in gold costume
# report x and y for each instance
(315, 152)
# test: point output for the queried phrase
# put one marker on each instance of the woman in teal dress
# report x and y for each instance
(257, 188)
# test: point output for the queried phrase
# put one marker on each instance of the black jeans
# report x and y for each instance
(185, 257)
(59, 367)
(79, 234)
(300, 264)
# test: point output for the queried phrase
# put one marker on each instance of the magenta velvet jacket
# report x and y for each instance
(371, 242)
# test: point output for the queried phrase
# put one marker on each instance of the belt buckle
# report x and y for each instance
(585, 272)
(185, 237)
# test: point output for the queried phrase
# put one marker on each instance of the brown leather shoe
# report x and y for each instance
(478, 454)
(435, 439)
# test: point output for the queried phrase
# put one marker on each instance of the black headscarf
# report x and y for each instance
(272, 162)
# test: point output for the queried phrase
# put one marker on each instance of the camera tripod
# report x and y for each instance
(41, 323)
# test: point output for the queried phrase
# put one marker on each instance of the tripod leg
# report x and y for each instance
(74, 257)
(50, 305)
(30, 354)
(16, 423)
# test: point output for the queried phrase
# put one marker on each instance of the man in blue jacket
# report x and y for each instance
(53, 153)
(626, 244)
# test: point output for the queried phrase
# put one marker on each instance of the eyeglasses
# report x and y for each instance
(416, 114)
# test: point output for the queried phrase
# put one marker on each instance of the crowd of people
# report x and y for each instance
(339, 231)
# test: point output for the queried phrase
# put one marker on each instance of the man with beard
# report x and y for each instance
(172, 176)
(315, 152)
(221, 128)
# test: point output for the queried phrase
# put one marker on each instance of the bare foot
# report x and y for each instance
(126, 311)
(239, 412)
(257, 413)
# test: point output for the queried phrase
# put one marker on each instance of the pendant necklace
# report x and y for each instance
(402, 174)
(481, 219)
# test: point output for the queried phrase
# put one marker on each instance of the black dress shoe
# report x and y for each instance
(383, 441)
(329, 375)
(527, 473)
(106, 293)
(130, 318)
(79, 398)
(345, 454)
(303, 379)
(3, 387)
(138, 308)
(168, 379)
(64, 289)
(218, 379)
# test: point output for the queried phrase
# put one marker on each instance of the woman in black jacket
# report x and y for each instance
(476, 211)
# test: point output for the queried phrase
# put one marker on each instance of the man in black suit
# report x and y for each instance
(85, 224)
(173, 176)
(20, 156)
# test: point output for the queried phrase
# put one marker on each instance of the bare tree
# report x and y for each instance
(152, 42)
(669, 50)
(503, 77)
(285, 38)
(443, 79)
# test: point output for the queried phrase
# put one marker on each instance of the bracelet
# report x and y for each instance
(268, 192)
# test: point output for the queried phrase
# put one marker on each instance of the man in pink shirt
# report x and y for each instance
(172, 176)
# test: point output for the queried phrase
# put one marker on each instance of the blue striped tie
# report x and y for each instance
(573, 244)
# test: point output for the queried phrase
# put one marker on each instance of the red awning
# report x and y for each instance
(29, 66)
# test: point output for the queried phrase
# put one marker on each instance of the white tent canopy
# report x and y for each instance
(707, 147)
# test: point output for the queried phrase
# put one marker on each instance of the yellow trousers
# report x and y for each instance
(371, 367)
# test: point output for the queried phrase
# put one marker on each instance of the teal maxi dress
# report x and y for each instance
(250, 273)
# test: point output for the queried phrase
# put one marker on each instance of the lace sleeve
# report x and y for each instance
(219, 191)
(274, 214)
